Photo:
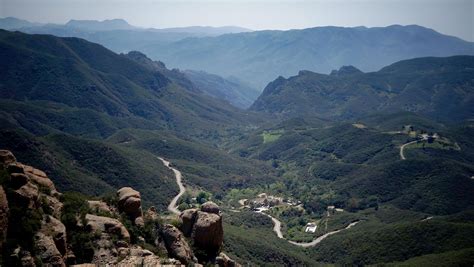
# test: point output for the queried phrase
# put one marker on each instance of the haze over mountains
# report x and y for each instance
(258, 57)
(354, 137)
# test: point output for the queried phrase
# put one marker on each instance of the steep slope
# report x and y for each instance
(441, 88)
(40, 69)
(258, 57)
(232, 90)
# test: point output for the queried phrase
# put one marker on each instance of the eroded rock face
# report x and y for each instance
(208, 232)
(3, 216)
(188, 218)
(129, 202)
(176, 245)
(6, 157)
(204, 227)
(108, 225)
(50, 242)
(45, 248)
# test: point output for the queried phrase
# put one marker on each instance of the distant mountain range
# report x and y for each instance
(441, 88)
(258, 57)
(116, 34)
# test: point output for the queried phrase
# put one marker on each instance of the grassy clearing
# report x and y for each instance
(271, 136)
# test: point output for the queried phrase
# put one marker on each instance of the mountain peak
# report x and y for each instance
(96, 25)
(346, 70)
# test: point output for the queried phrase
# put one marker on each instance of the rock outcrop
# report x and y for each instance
(224, 261)
(3, 217)
(130, 202)
(32, 191)
(204, 227)
(208, 232)
(100, 224)
(176, 245)
(210, 207)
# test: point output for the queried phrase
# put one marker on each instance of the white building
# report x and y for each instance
(311, 228)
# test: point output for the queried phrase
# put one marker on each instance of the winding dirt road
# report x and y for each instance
(173, 206)
(402, 156)
(277, 230)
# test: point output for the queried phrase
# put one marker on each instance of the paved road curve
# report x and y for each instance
(173, 206)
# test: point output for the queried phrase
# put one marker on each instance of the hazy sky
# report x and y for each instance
(453, 17)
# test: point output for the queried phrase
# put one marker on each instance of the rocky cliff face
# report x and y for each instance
(40, 226)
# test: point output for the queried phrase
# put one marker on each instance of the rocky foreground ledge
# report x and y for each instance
(41, 226)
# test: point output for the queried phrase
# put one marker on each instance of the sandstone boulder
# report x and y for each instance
(208, 232)
(3, 216)
(129, 202)
(188, 218)
(108, 225)
(176, 245)
(210, 207)
(6, 157)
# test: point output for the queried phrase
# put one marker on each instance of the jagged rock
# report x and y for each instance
(26, 259)
(56, 229)
(108, 225)
(129, 202)
(224, 261)
(176, 245)
(188, 218)
(208, 233)
(18, 180)
(54, 204)
(27, 195)
(40, 178)
(210, 207)
(46, 250)
(104, 251)
(121, 244)
(137, 256)
(3, 216)
(6, 157)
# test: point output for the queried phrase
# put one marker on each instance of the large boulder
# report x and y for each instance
(176, 245)
(210, 207)
(3, 216)
(208, 232)
(129, 202)
(6, 157)
(188, 218)
(108, 225)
